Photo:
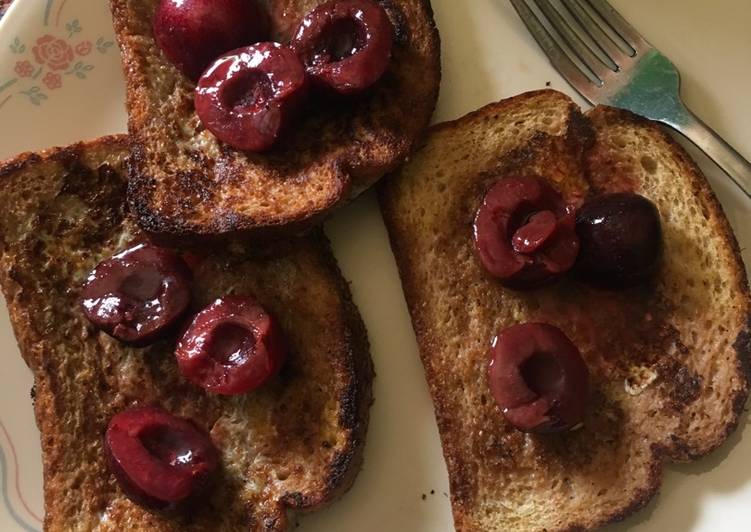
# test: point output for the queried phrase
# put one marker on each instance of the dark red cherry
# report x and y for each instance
(192, 33)
(138, 294)
(159, 460)
(524, 232)
(621, 238)
(538, 378)
(538, 230)
(232, 347)
(345, 44)
(247, 97)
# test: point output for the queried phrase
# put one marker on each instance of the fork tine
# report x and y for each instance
(555, 53)
(577, 45)
(600, 38)
(619, 25)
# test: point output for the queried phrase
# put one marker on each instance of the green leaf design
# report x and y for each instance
(75, 68)
(102, 46)
(79, 70)
(73, 27)
(7, 84)
(17, 47)
(35, 95)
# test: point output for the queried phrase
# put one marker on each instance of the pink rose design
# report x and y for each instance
(24, 69)
(52, 80)
(53, 52)
(83, 48)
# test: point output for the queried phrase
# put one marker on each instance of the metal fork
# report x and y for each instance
(636, 77)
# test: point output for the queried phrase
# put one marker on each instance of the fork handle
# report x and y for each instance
(722, 153)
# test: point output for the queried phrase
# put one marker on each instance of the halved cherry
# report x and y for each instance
(345, 44)
(138, 294)
(538, 378)
(192, 33)
(524, 232)
(159, 460)
(232, 347)
(247, 96)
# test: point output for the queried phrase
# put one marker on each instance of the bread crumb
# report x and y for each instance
(639, 379)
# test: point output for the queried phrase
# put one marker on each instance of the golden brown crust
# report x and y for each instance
(114, 144)
(686, 410)
(186, 183)
(739, 280)
(296, 444)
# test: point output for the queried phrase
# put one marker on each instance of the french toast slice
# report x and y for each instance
(294, 445)
(185, 182)
(668, 362)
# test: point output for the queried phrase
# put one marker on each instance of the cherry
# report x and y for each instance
(137, 295)
(159, 460)
(247, 96)
(232, 347)
(192, 33)
(538, 378)
(621, 239)
(524, 232)
(345, 44)
(538, 230)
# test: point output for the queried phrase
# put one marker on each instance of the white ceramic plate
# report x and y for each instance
(60, 81)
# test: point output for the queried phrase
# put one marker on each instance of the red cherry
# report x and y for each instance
(535, 233)
(538, 378)
(232, 347)
(621, 237)
(192, 33)
(159, 460)
(524, 232)
(247, 97)
(345, 44)
(137, 295)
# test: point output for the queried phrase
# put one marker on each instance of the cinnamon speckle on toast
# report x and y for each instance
(294, 445)
(184, 182)
(668, 361)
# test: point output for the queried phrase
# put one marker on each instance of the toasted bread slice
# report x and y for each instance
(668, 362)
(295, 444)
(185, 182)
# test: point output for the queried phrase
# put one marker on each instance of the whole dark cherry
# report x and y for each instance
(137, 295)
(621, 240)
(158, 459)
(524, 232)
(247, 97)
(538, 378)
(192, 33)
(232, 347)
(345, 44)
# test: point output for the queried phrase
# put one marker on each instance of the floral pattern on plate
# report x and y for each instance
(63, 55)
(38, 65)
